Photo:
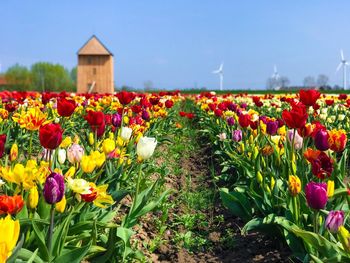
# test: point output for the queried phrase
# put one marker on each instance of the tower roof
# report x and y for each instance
(94, 47)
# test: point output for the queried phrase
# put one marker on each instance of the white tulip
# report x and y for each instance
(341, 117)
(125, 133)
(61, 156)
(145, 147)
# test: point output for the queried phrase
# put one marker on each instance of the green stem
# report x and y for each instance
(316, 212)
(30, 144)
(292, 154)
(296, 209)
(52, 218)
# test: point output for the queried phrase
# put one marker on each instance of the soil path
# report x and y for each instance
(198, 227)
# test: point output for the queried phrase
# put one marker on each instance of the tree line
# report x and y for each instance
(41, 76)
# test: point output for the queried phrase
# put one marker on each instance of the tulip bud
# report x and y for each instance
(344, 236)
(91, 138)
(61, 205)
(334, 220)
(294, 185)
(125, 133)
(116, 120)
(330, 188)
(145, 147)
(259, 177)
(33, 198)
(61, 156)
(75, 153)
(14, 152)
(54, 188)
(237, 135)
(70, 172)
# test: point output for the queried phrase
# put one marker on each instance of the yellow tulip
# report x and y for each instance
(33, 198)
(70, 172)
(108, 145)
(294, 185)
(99, 158)
(88, 164)
(9, 230)
(61, 205)
(79, 186)
(66, 142)
(102, 197)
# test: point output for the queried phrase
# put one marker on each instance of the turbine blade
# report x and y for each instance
(339, 66)
(341, 54)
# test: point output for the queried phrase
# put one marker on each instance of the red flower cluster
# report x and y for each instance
(10, 204)
(188, 115)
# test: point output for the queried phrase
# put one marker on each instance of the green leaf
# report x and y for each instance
(40, 238)
(74, 255)
(237, 203)
(26, 256)
(16, 250)
(125, 235)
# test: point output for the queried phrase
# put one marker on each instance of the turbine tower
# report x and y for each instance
(220, 71)
(343, 63)
(275, 76)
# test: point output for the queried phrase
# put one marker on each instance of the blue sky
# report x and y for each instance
(176, 44)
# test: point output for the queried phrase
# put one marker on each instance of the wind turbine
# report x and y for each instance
(220, 71)
(343, 63)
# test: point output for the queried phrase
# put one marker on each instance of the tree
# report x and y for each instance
(148, 85)
(272, 83)
(51, 77)
(73, 75)
(284, 81)
(309, 81)
(19, 77)
(322, 80)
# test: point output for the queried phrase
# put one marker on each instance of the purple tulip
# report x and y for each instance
(272, 127)
(116, 120)
(54, 188)
(244, 105)
(237, 135)
(263, 119)
(145, 115)
(334, 220)
(316, 195)
(321, 140)
(230, 121)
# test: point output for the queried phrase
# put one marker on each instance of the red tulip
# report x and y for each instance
(244, 120)
(125, 97)
(309, 97)
(2, 144)
(169, 104)
(10, 204)
(50, 135)
(65, 108)
(296, 117)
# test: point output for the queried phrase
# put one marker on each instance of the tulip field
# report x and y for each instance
(169, 177)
